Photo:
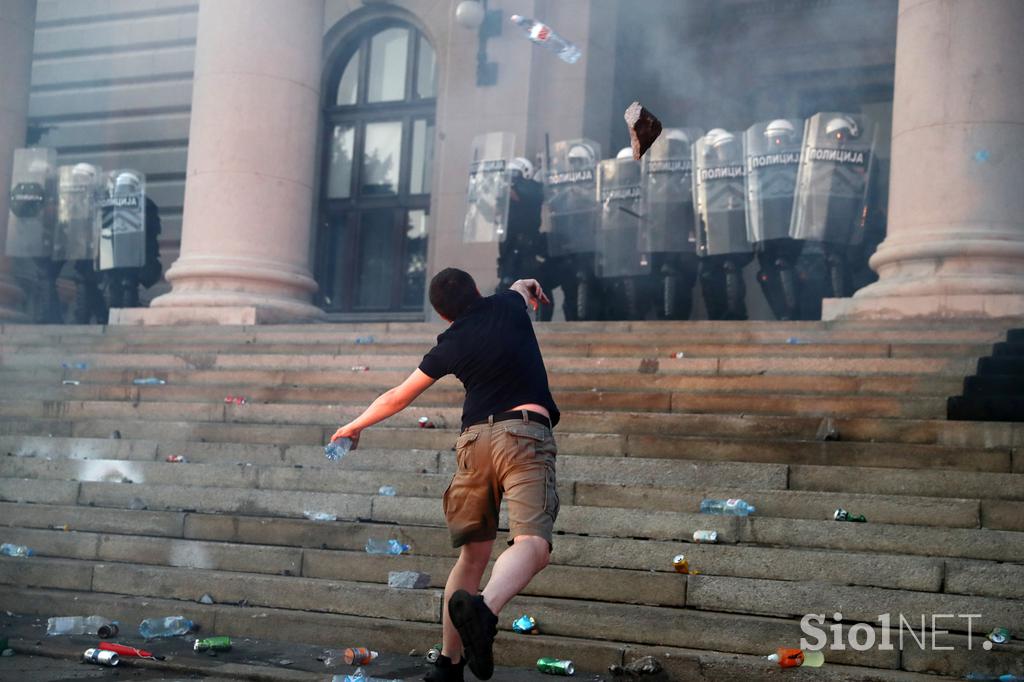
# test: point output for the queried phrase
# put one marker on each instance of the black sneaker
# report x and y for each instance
(477, 627)
(444, 670)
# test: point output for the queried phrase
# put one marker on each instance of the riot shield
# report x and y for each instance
(773, 158)
(33, 203)
(487, 196)
(833, 180)
(667, 181)
(78, 199)
(122, 241)
(618, 237)
(718, 194)
(571, 194)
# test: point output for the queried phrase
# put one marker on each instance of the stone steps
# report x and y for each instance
(290, 385)
(840, 476)
(995, 500)
(589, 654)
(737, 416)
(758, 363)
(985, 446)
(355, 400)
(210, 541)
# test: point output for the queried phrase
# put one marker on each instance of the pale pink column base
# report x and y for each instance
(249, 188)
(205, 315)
(942, 307)
(955, 246)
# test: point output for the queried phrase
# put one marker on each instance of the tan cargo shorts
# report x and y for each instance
(514, 460)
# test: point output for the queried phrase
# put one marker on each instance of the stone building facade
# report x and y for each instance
(309, 156)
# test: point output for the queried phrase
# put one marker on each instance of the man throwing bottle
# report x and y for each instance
(506, 449)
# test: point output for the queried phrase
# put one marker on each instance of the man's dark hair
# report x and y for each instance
(451, 292)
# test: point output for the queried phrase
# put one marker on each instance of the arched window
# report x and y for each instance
(378, 154)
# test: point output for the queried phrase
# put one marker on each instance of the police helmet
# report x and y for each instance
(520, 167)
(128, 181)
(581, 155)
(625, 153)
(84, 173)
(842, 127)
(780, 130)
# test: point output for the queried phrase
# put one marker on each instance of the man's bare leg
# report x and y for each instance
(514, 569)
(465, 575)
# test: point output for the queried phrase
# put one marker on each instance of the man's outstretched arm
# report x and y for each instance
(389, 403)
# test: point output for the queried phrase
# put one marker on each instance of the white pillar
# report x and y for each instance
(955, 246)
(17, 32)
(249, 189)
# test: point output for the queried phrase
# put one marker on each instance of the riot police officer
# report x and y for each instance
(718, 190)
(570, 189)
(79, 190)
(621, 266)
(523, 252)
(128, 245)
(831, 191)
(668, 232)
(773, 158)
(31, 225)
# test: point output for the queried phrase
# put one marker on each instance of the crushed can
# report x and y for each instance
(426, 423)
(175, 459)
(843, 515)
(681, 563)
(101, 657)
(107, 631)
(434, 653)
(999, 636)
(359, 655)
(360, 368)
(555, 666)
(710, 536)
(525, 625)
(213, 644)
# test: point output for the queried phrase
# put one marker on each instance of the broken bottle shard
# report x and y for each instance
(644, 128)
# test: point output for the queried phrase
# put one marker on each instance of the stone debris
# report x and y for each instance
(408, 580)
(648, 665)
(644, 128)
(827, 430)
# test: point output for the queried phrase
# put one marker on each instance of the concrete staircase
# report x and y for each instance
(645, 435)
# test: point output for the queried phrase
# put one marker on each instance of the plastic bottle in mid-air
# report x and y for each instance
(375, 546)
(171, 626)
(542, 34)
(729, 507)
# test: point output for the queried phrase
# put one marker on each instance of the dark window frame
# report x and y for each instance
(342, 218)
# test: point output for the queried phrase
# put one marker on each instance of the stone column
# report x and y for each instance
(17, 32)
(955, 246)
(249, 193)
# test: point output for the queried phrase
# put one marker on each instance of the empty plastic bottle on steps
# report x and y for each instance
(171, 626)
(7, 549)
(542, 34)
(337, 449)
(375, 546)
(149, 381)
(730, 507)
(987, 677)
(77, 625)
(387, 491)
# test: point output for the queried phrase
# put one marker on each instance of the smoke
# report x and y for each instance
(109, 471)
(713, 64)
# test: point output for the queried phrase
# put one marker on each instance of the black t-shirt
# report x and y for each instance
(493, 351)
